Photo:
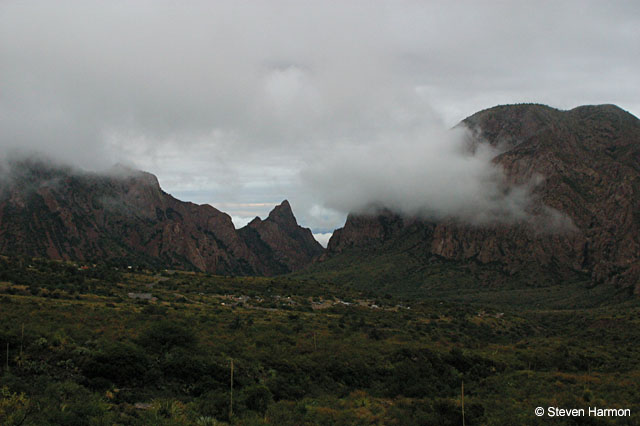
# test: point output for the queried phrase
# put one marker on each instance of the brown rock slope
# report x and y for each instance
(281, 240)
(124, 216)
(590, 160)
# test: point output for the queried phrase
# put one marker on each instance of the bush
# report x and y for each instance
(214, 404)
(14, 407)
(120, 363)
(256, 398)
(165, 335)
(68, 403)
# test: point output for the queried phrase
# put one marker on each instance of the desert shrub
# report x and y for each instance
(164, 335)
(256, 398)
(120, 363)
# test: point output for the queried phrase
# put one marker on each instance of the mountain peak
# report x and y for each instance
(283, 215)
(291, 245)
(284, 205)
(255, 221)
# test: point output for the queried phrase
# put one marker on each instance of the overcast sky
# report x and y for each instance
(242, 104)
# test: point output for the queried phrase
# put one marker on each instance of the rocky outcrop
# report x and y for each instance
(280, 238)
(589, 162)
(125, 216)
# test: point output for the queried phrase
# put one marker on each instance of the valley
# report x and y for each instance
(303, 351)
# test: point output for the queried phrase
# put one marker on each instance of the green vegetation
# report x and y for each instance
(400, 270)
(85, 344)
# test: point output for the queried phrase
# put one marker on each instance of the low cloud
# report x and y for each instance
(424, 170)
(326, 105)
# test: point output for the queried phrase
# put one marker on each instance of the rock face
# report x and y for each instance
(589, 158)
(60, 213)
(280, 239)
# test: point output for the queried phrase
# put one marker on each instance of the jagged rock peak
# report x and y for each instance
(282, 214)
(256, 221)
(289, 246)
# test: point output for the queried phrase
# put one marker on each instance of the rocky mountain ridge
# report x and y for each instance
(589, 158)
(586, 162)
(60, 213)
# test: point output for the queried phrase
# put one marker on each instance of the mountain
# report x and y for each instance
(280, 239)
(125, 216)
(589, 159)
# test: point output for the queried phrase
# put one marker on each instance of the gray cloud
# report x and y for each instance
(254, 102)
(427, 171)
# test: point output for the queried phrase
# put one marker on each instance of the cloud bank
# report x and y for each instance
(254, 102)
(427, 171)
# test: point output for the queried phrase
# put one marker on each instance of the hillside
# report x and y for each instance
(586, 162)
(125, 217)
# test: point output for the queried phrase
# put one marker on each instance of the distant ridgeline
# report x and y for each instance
(589, 159)
(586, 162)
(61, 213)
